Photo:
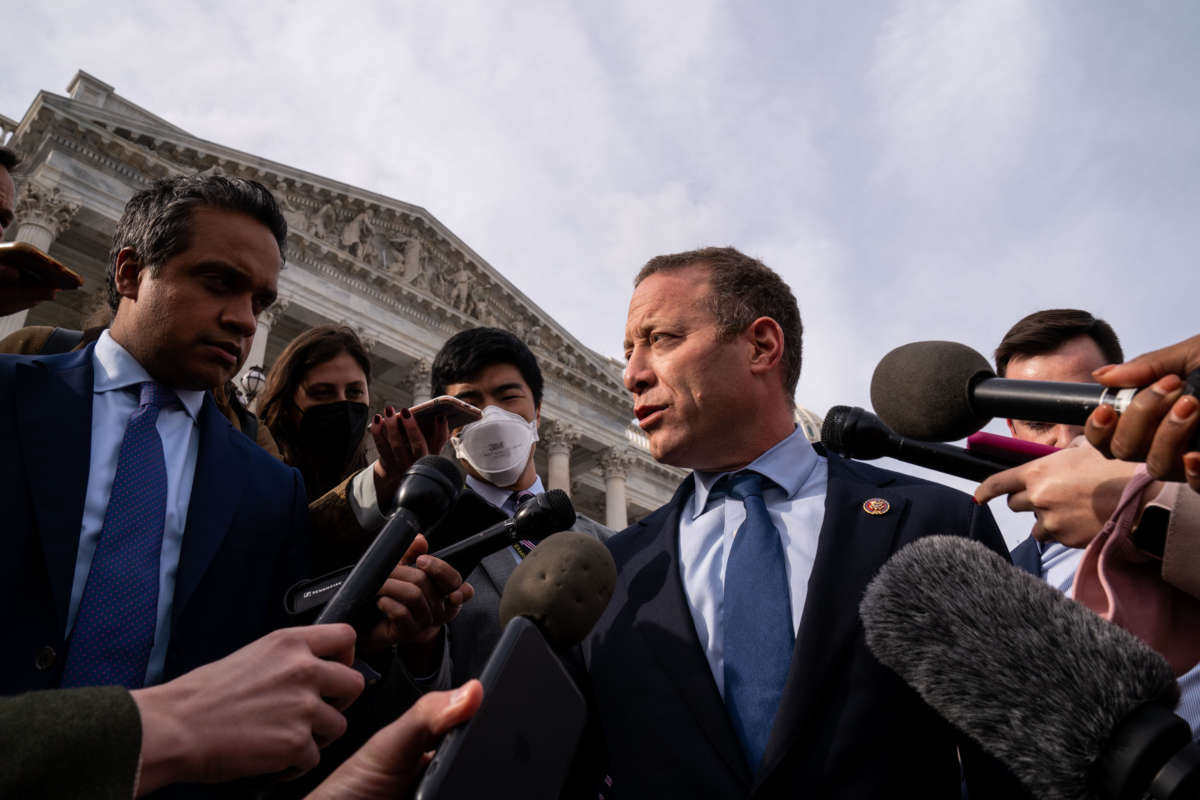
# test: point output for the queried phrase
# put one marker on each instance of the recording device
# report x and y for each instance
(426, 492)
(521, 741)
(1075, 706)
(37, 268)
(543, 515)
(857, 433)
(943, 391)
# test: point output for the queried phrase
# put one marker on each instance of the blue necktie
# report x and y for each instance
(114, 629)
(756, 621)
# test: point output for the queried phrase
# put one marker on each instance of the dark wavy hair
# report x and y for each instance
(1045, 331)
(469, 352)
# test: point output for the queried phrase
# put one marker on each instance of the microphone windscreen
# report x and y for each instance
(922, 390)
(1038, 680)
(563, 585)
(833, 427)
(443, 466)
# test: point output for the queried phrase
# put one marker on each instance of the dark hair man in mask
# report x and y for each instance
(495, 371)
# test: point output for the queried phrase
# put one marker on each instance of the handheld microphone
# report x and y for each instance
(426, 492)
(857, 433)
(543, 515)
(943, 391)
(1074, 706)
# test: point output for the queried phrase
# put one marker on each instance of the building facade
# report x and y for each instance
(389, 270)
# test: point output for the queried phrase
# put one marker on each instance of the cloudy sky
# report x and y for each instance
(915, 170)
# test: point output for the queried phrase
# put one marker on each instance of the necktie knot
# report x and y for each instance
(153, 393)
(745, 484)
(521, 498)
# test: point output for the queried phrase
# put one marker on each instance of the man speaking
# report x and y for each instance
(731, 660)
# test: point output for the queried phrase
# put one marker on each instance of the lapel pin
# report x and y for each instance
(876, 506)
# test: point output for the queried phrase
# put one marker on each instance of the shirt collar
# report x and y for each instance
(114, 368)
(497, 496)
(789, 464)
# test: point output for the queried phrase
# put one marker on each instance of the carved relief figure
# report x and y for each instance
(324, 222)
(357, 239)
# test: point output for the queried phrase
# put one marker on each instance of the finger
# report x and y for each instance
(417, 610)
(412, 432)
(334, 641)
(419, 547)
(1191, 468)
(1006, 482)
(445, 578)
(1177, 359)
(1173, 439)
(379, 434)
(461, 595)
(338, 684)
(1099, 429)
(440, 435)
(1135, 429)
(1040, 533)
(328, 724)
(1020, 501)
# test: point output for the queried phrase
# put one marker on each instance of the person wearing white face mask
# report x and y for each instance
(493, 370)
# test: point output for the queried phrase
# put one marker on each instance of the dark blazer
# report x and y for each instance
(244, 543)
(847, 726)
(1028, 556)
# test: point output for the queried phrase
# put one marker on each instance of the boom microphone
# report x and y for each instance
(426, 492)
(943, 391)
(543, 515)
(857, 433)
(1075, 706)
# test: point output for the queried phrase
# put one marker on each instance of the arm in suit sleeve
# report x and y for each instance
(70, 743)
(294, 562)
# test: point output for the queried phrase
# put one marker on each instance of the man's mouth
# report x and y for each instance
(229, 349)
(648, 415)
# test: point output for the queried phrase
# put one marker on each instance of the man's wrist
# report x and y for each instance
(167, 755)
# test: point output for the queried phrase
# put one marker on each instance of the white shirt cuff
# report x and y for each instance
(363, 502)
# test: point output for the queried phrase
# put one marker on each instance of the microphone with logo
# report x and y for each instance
(1073, 705)
(522, 740)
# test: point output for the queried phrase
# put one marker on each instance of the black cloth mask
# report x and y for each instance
(330, 434)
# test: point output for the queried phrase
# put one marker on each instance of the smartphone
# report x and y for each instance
(1007, 449)
(457, 412)
(37, 268)
(521, 741)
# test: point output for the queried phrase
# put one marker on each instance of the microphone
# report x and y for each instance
(545, 514)
(426, 492)
(943, 391)
(1074, 706)
(563, 586)
(857, 433)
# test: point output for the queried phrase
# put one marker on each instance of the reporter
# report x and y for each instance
(1160, 422)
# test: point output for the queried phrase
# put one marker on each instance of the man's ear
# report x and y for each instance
(537, 415)
(128, 270)
(766, 339)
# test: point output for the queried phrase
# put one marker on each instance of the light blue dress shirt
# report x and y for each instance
(115, 370)
(707, 528)
(503, 498)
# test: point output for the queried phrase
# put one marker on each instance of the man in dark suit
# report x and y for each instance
(731, 661)
(144, 536)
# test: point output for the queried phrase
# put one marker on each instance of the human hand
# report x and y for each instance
(400, 442)
(1072, 493)
(15, 296)
(266, 708)
(389, 763)
(421, 595)
(1161, 421)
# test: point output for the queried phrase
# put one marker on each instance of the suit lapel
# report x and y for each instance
(216, 491)
(498, 567)
(853, 544)
(664, 621)
(54, 408)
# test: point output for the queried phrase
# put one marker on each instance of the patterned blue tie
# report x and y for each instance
(756, 621)
(114, 629)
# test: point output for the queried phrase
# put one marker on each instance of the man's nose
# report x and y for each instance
(637, 375)
(1065, 434)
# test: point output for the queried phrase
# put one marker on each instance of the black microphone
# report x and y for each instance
(541, 516)
(1074, 706)
(857, 433)
(942, 391)
(426, 492)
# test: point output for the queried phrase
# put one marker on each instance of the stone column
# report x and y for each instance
(417, 380)
(258, 346)
(42, 214)
(559, 439)
(615, 463)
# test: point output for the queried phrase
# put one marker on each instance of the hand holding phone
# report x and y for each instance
(28, 276)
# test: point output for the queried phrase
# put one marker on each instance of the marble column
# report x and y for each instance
(258, 347)
(418, 379)
(559, 438)
(615, 463)
(42, 214)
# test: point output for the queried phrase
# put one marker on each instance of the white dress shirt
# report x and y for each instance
(796, 505)
(113, 403)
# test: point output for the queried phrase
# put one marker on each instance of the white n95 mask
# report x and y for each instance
(497, 445)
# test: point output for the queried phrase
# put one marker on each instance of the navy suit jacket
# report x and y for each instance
(847, 726)
(1028, 556)
(244, 543)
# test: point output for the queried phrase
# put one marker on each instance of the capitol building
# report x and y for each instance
(386, 268)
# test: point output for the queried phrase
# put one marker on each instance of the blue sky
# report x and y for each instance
(915, 170)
